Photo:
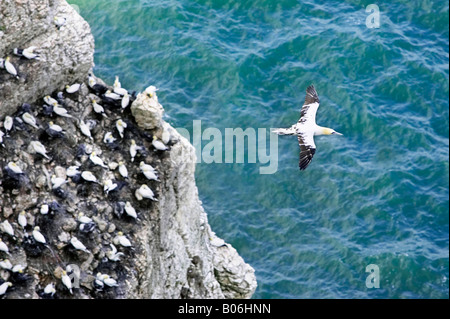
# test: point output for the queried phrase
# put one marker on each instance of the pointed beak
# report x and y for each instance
(337, 133)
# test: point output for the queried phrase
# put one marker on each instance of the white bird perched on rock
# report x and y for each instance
(165, 135)
(122, 240)
(66, 281)
(109, 281)
(121, 126)
(50, 101)
(82, 218)
(144, 192)
(158, 144)
(108, 186)
(151, 92)
(22, 219)
(28, 53)
(15, 168)
(6, 64)
(130, 210)
(125, 100)
(61, 111)
(112, 95)
(6, 264)
(109, 138)
(73, 88)
(44, 209)
(306, 128)
(78, 245)
(112, 254)
(98, 281)
(55, 127)
(72, 171)
(4, 287)
(98, 108)
(29, 119)
(38, 148)
(8, 123)
(97, 160)
(1, 138)
(18, 268)
(133, 149)
(37, 235)
(50, 289)
(148, 171)
(7, 228)
(123, 171)
(85, 129)
(3, 247)
(88, 176)
(59, 21)
(57, 181)
(117, 86)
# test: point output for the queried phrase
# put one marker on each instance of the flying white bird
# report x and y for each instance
(38, 148)
(306, 128)
(29, 119)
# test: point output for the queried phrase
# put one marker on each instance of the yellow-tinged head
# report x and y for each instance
(329, 131)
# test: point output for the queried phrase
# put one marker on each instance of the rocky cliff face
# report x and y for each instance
(167, 251)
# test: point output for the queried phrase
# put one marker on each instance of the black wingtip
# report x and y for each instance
(311, 95)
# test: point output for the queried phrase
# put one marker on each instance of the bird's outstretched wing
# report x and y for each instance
(307, 149)
(309, 109)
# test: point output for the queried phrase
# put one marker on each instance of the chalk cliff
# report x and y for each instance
(173, 254)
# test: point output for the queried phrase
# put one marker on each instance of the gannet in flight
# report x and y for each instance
(306, 128)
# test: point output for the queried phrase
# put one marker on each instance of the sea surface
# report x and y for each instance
(379, 195)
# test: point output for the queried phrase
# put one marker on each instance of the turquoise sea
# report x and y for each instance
(377, 195)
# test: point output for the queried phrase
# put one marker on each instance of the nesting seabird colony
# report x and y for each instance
(77, 175)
